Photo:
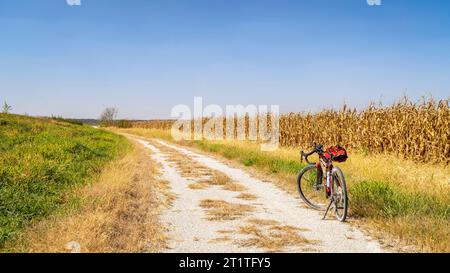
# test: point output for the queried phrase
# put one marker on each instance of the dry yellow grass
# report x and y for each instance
(219, 179)
(185, 166)
(204, 184)
(234, 187)
(271, 235)
(427, 235)
(225, 231)
(221, 239)
(219, 210)
(120, 213)
(263, 222)
(266, 234)
(198, 185)
(247, 196)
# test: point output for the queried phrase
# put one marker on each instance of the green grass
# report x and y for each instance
(381, 199)
(250, 157)
(41, 161)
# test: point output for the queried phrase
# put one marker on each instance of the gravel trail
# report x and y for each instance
(190, 230)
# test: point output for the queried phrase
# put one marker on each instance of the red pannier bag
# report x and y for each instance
(336, 153)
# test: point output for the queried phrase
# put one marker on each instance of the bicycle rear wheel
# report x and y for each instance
(340, 194)
(311, 188)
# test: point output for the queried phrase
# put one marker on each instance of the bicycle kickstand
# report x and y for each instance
(328, 209)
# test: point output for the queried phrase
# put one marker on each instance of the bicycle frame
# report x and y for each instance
(325, 167)
(330, 181)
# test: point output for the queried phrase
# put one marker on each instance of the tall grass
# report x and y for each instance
(43, 159)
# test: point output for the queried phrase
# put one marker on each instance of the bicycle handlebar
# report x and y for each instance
(305, 156)
(317, 149)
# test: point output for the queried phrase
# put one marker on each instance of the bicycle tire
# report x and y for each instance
(300, 191)
(343, 216)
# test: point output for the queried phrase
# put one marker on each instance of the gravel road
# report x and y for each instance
(190, 230)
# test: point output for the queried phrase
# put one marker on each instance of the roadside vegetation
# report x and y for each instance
(120, 213)
(42, 161)
(409, 201)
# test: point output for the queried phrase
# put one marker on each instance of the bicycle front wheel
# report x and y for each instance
(340, 194)
(311, 189)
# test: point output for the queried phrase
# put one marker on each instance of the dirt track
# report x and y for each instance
(241, 213)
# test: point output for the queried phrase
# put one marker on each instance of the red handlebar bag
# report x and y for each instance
(336, 153)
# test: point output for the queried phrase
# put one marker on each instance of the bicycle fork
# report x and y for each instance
(328, 184)
(329, 192)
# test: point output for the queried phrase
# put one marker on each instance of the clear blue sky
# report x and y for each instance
(146, 56)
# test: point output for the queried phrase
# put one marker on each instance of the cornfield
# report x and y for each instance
(154, 124)
(416, 131)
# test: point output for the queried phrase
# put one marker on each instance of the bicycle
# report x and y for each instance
(316, 189)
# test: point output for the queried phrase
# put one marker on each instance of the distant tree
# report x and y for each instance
(108, 116)
(6, 108)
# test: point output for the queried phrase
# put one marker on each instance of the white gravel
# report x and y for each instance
(191, 232)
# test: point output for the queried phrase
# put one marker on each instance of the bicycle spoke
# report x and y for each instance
(340, 206)
(313, 193)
